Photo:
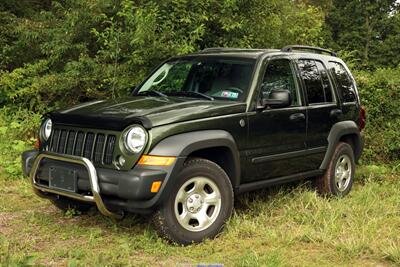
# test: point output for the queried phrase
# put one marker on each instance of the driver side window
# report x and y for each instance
(279, 76)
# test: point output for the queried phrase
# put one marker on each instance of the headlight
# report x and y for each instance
(135, 139)
(47, 126)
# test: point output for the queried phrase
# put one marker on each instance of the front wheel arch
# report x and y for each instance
(204, 144)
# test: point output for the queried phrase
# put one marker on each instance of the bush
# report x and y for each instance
(380, 94)
(17, 133)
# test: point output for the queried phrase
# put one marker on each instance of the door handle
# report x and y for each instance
(297, 117)
(336, 113)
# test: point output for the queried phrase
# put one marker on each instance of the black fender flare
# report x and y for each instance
(339, 130)
(182, 145)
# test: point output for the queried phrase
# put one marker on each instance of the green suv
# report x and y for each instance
(199, 130)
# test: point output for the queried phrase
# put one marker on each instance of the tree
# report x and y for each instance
(58, 53)
(363, 27)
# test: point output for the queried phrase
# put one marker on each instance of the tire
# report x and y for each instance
(339, 176)
(65, 204)
(186, 217)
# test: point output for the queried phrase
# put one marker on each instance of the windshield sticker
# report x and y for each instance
(229, 94)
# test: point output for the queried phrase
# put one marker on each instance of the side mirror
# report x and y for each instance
(276, 99)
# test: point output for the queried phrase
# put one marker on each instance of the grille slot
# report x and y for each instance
(54, 140)
(87, 153)
(70, 142)
(79, 144)
(110, 144)
(98, 147)
(63, 139)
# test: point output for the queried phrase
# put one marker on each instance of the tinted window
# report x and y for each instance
(312, 81)
(343, 80)
(279, 76)
(326, 85)
(220, 78)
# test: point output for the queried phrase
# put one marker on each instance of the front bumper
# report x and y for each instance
(111, 191)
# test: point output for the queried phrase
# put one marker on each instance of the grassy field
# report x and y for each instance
(285, 226)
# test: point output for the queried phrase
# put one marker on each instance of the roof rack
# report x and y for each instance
(319, 50)
(227, 49)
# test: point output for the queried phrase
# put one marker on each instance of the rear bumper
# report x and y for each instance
(109, 190)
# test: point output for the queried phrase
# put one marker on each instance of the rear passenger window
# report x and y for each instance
(343, 80)
(326, 85)
(316, 80)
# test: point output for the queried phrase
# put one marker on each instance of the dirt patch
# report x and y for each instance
(6, 221)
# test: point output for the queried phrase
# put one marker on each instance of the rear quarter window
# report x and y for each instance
(343, 80)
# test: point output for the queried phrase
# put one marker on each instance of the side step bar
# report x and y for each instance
(276, 181)
(94, 184)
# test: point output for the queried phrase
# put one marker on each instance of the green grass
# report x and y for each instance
(283, 226)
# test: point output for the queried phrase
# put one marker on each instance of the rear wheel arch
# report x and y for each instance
(344, 131)
(354, 141)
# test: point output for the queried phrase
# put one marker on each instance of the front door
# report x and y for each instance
(276, 136)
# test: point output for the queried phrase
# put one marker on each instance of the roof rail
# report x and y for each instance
(228, 49)
(214, 49)
(319, 50)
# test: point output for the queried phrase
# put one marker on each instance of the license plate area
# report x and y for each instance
(63, 179)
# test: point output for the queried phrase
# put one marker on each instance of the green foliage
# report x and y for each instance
(70, 213)
(17, 131)
(73, 51)
(10, 256)
(369, 28)
(380, 93)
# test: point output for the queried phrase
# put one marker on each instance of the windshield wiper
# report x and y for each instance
(190, 94)
(152, 93)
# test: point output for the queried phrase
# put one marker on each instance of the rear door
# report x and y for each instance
(322, 108)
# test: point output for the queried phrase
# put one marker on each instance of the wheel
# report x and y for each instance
(65, 204)
(198, 206)
(338, 178)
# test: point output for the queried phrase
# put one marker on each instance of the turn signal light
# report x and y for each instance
(37, 144)
(156, 160)
(155, 186)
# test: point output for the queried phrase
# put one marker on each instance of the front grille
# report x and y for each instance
(98, 147)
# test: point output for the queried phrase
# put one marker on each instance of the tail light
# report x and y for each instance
(362, 118)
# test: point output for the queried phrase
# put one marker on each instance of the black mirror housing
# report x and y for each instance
(277, 99)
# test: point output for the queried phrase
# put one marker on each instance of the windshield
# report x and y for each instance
(212, 78)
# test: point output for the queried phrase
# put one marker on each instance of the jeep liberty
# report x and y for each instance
(200, 129)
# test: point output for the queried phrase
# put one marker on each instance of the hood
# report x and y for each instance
(116, 114)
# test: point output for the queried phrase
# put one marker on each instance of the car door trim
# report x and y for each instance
(288, 155)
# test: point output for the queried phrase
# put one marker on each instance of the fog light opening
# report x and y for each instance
(121, 160)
